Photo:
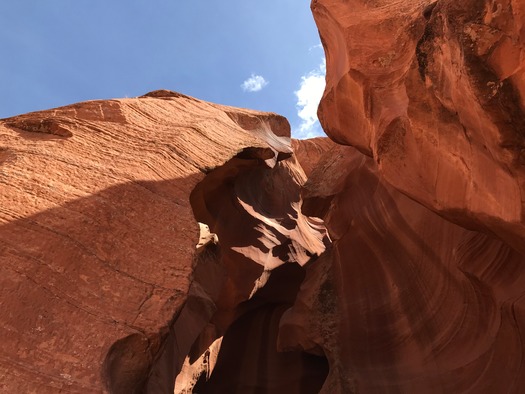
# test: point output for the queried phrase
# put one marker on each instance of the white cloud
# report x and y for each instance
(254, 83)
(308, 97)
(318, 46)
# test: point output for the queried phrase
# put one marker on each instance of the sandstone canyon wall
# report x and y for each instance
(425, 212)
(433, 91)
(102, 286)
(165, 244)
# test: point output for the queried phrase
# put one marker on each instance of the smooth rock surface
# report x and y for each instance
(434, 92)
(404, 300)
(250, 359)
(166, 244)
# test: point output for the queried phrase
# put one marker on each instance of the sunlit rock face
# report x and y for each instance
(165, 244)
(106, 283)
(426, 269)
(434, 92)
(250, 359)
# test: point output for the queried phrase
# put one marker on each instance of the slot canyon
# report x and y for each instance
(165, 244)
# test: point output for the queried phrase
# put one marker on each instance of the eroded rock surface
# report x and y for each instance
(426, 271)
(102, 286)
(164, 243)
(404, 300)
(434, 92)
(283, 243)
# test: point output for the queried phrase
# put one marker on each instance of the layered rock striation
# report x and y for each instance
(417, 303)
(425, 210)
(165, 244)
(433, 91)
(102, 285)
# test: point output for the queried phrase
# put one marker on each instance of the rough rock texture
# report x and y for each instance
(249, 359)
(309, 152)
(404, 300)
(101, 285)
(164, 244)
(426, 274)
(434, 91)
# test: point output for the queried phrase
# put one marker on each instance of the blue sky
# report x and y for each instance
(255, 54)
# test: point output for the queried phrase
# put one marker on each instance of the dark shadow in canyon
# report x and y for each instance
(249, 362)
(112, 275)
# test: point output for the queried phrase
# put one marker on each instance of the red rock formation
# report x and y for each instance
(248, 360)
(418, 287)
(422, 289)
(100, 280)
(433, 91)
(405, 301)
(309, 152)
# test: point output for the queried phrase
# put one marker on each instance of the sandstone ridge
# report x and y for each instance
(165, 244)
(103, 287)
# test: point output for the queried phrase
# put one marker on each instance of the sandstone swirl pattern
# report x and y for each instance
(427, 218)
(164, 244)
